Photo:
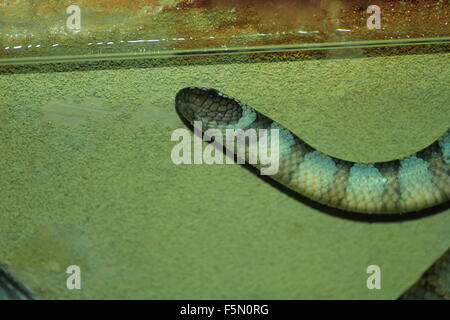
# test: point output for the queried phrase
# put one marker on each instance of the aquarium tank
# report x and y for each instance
(224, 150)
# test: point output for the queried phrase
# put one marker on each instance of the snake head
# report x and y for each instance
(207, 105)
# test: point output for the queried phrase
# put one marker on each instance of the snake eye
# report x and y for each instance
(211, 93)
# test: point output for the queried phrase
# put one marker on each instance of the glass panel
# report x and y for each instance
(39, 31)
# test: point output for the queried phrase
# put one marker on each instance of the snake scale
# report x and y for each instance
(416, 182)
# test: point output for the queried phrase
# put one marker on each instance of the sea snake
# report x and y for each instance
(413, 183)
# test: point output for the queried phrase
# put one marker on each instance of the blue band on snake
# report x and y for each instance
(419, 181)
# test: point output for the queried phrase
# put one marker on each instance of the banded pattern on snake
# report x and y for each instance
(413, 183)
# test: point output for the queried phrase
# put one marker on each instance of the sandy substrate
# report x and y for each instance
(87, 179)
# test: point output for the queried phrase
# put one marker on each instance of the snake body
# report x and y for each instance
(413, 183)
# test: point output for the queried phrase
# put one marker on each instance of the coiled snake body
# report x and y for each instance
(413, 183)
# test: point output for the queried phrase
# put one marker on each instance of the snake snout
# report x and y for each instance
(207, 105)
